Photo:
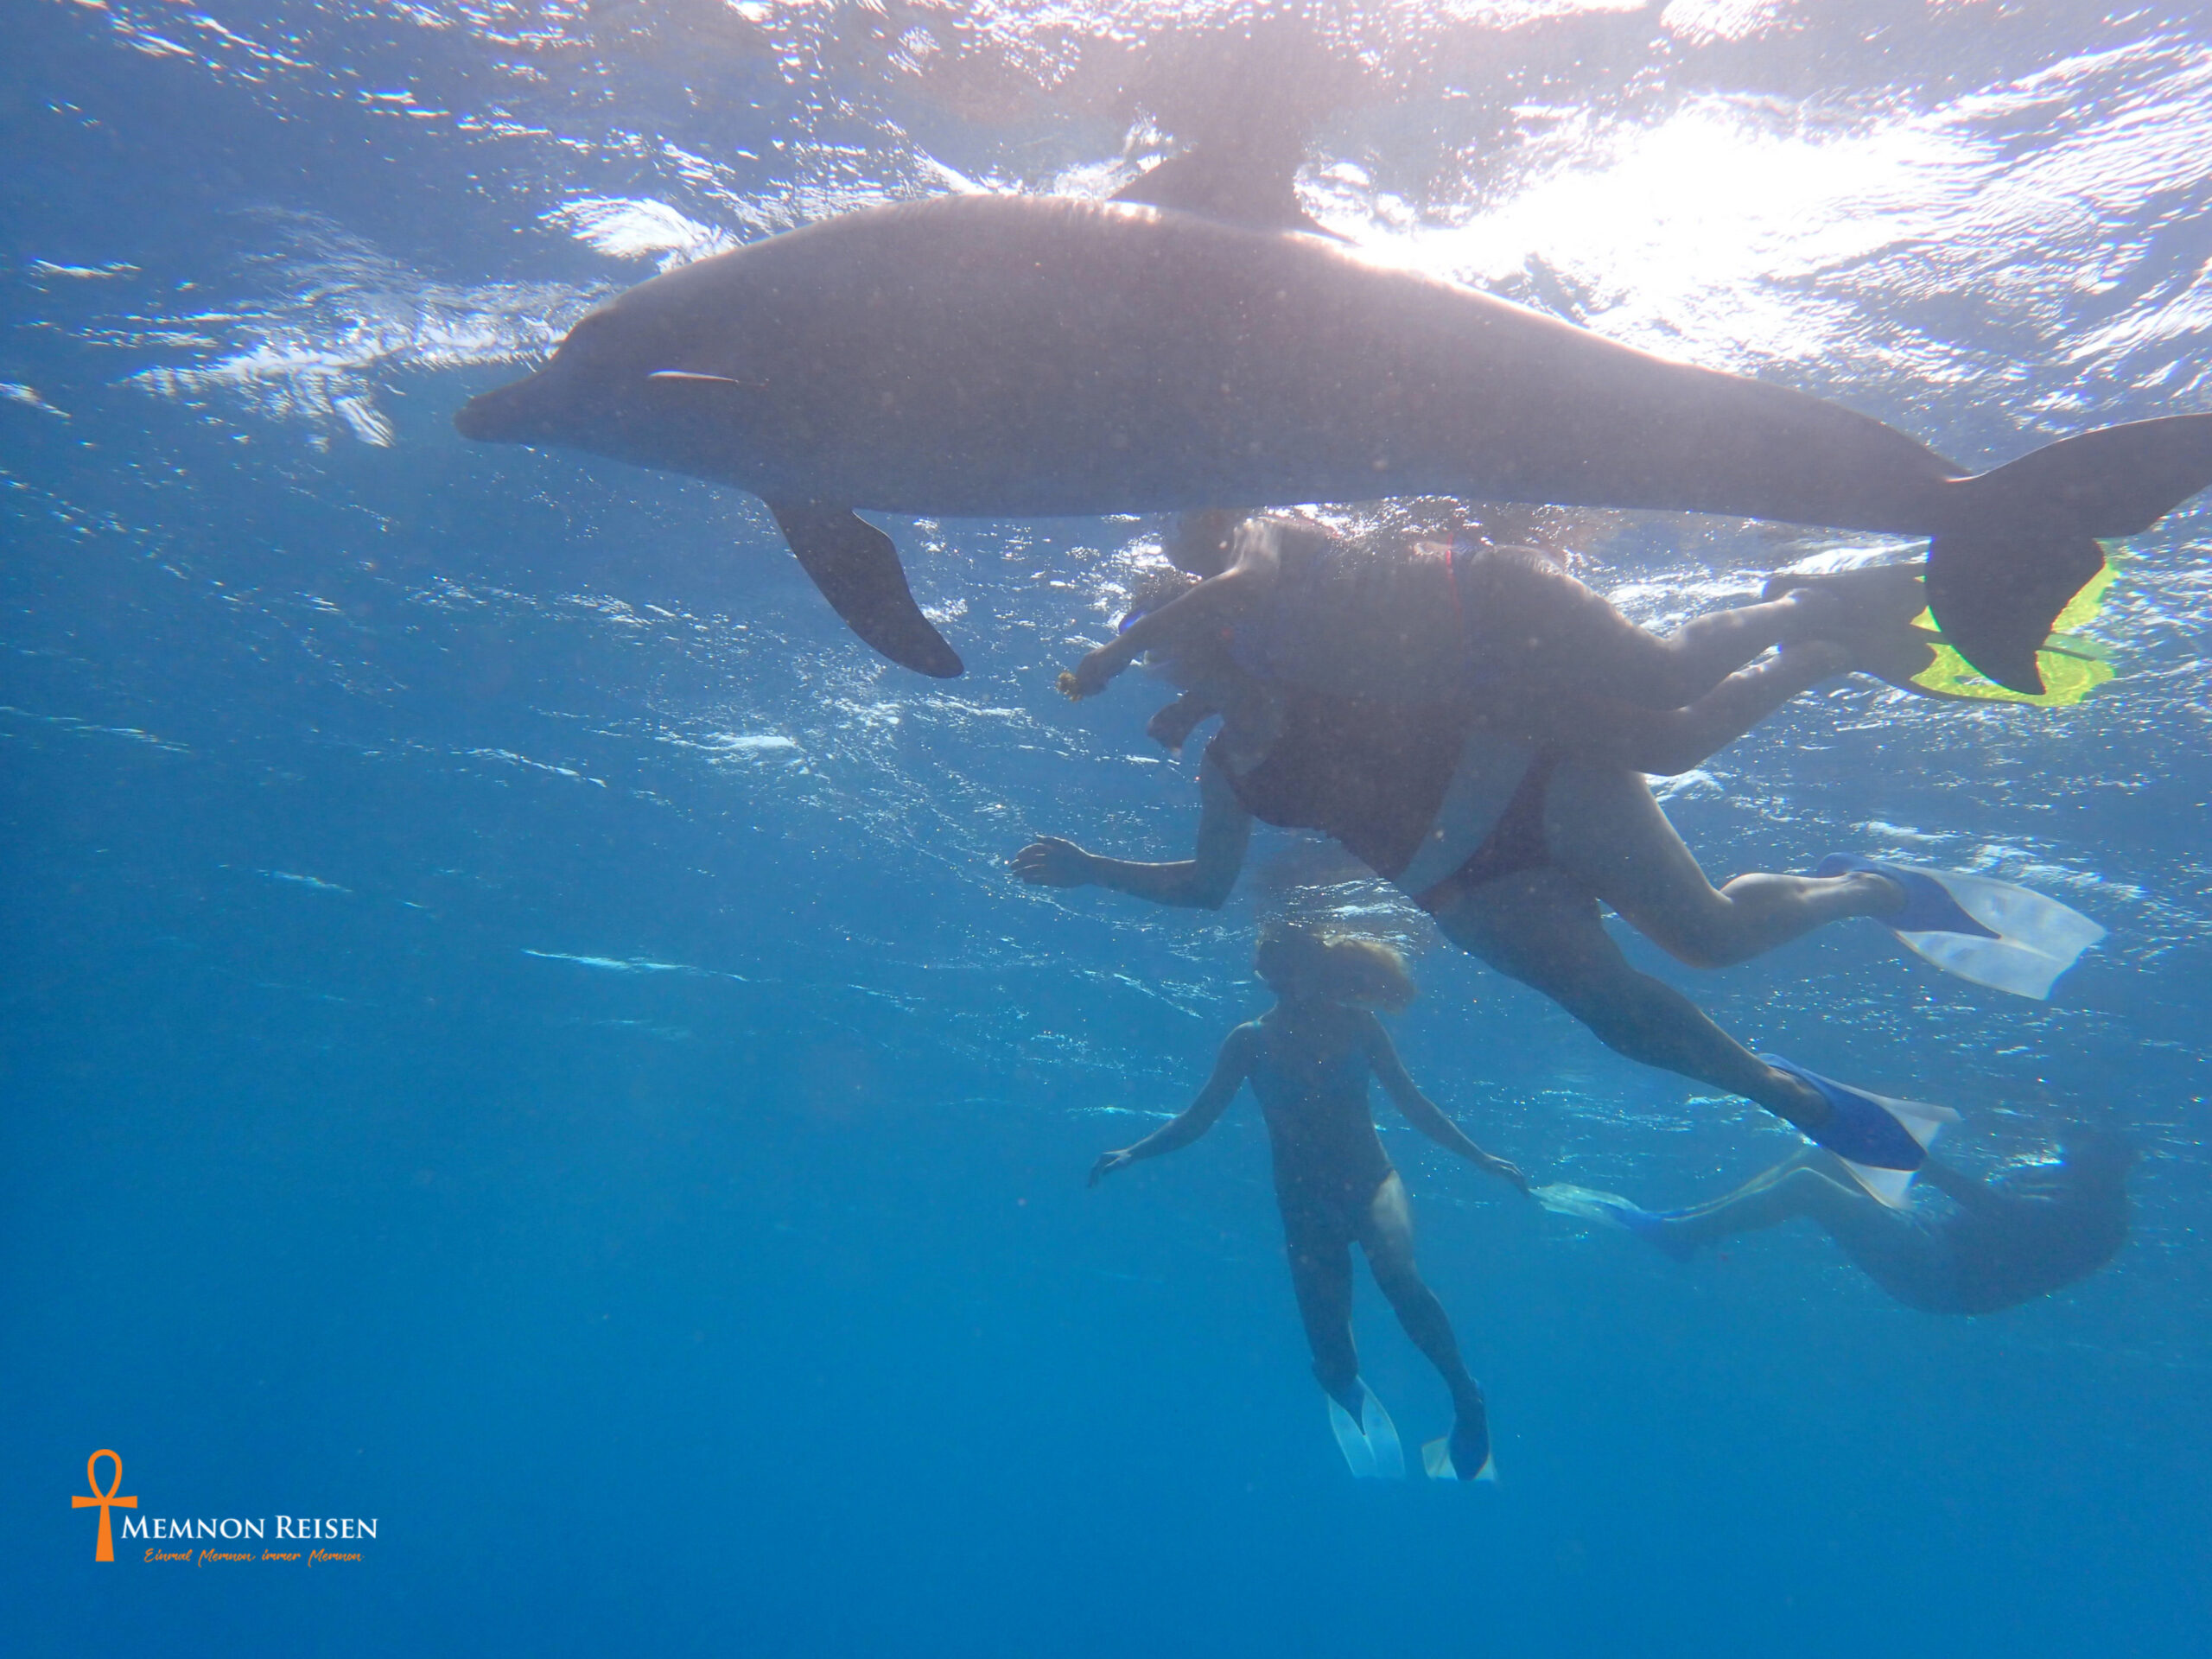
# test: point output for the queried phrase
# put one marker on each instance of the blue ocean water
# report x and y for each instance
(518, 1027)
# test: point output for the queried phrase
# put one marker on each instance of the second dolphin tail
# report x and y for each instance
(2022, 540)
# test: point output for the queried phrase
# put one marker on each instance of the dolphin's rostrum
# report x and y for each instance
(1005, 356)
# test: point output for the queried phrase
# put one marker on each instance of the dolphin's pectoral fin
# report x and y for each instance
(1251, 184)
(857, 570)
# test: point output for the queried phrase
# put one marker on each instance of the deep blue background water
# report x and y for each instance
(515, 1026)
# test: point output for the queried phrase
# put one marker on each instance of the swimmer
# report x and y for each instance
(2023, 1234)
(1375, 617)
(1512, 816)
(1308, 1060)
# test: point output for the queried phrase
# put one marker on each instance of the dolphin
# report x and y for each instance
(1198, 342)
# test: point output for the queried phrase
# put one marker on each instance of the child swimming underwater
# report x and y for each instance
(1308, 1060)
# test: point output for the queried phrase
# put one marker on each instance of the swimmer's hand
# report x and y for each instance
(1505, 1169)
(1172, 726)
(1107, 1164)
(1049, 861)
(1093, 674)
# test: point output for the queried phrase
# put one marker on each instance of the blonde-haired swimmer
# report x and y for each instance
(1308, 1059)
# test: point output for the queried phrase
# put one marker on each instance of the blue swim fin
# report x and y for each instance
(1589, 1204)
(1371, 1445)
(1881, 1140)
(1991, 932)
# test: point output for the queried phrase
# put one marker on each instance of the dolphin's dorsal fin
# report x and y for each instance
(1242, 102)
(858, 571)
(1252, 184)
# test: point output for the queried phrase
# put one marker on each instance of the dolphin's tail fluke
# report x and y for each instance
(2022, 539)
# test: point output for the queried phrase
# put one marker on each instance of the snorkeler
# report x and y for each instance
(2006, 1240)
(1295, 600)
(1511, 816)
(1308, 1059)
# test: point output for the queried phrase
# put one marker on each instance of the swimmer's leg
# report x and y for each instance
(1535, 626)
(1892, 1249)
(1320, 1276)
(1541, 927)
(1768, 1199)
(1603, 828)
(1387, 1239)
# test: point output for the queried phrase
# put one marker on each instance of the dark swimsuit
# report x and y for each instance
(1515, 843)
(1374, 775)
(1328, 1160)
(1372, 772)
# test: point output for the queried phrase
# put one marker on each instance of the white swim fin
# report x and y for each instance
(1436, 1459)
(1371, 1445)
(1992, 932)
(1584, 1203)
(1587, 1204)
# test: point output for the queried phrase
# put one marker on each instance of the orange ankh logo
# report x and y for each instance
(104, 1499)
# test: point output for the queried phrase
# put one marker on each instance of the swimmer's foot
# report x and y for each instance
(1869, 613)
(1992, 932)
(1658, 1229)
(1654, 1226)
(1880, 1140)
(1464, 1454)
(1873, 595)
(1923, 903)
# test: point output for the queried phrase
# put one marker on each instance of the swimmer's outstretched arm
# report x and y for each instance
(1255, 559)
(1203, 881)
(1230, 1067)
(1667, 741)
(1423, 1113)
